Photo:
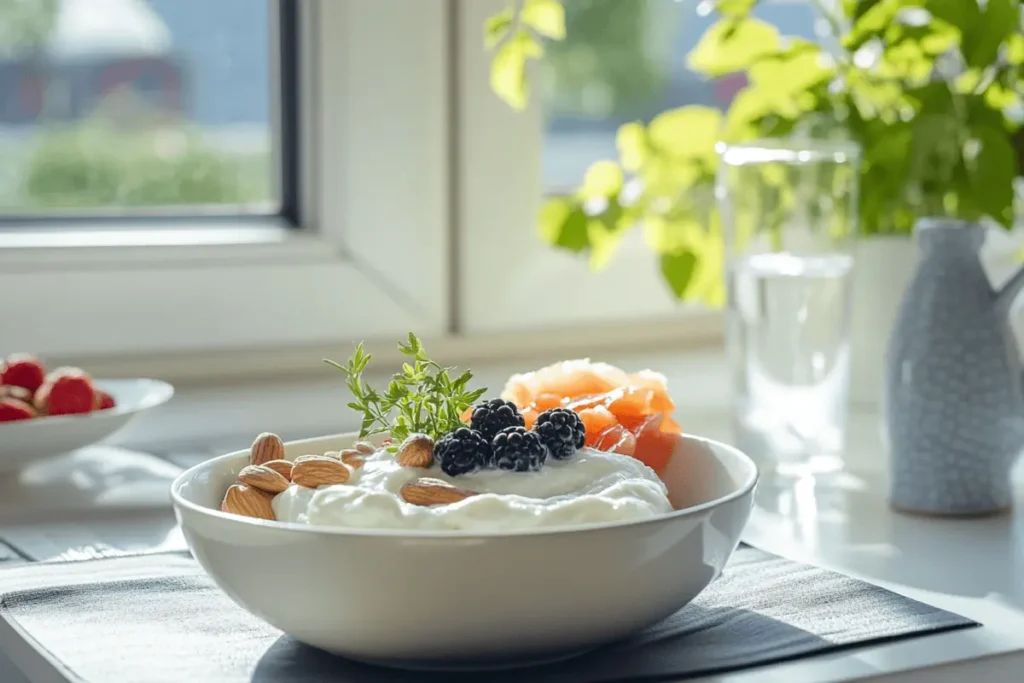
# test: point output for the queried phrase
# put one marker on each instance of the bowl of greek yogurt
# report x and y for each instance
(345, 546)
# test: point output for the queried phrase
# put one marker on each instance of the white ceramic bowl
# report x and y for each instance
(445, 599)
(25, 441)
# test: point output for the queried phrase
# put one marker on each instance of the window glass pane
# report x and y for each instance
(136, 106)
(626, 60)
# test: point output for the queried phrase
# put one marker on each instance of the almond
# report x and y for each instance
(263, 478)
(364, 447)
(248, 502)
(352, 458)
(265, 448)
(322, 471)
(330, 455)
(429, 491)
(416, 451)
(282, 467)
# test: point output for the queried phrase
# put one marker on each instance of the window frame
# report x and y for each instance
(360, 267)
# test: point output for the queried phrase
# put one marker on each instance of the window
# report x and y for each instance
(122, 107)
(337, 124)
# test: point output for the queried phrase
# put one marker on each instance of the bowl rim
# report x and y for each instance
(158, 393)
(179, 502)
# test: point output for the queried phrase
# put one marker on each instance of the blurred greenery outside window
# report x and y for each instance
(626, 61)
(163, 106)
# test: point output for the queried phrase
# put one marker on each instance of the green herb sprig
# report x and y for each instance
(421, 399)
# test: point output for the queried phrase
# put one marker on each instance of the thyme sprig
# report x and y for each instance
(421, 399)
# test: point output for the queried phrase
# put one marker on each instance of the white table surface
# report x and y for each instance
(111, 499)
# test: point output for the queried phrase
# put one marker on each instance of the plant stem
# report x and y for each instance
(833, 22)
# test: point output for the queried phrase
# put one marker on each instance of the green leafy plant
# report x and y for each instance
(421, 399)
(926, 88)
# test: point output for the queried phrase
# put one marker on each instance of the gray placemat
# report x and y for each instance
(159, 619)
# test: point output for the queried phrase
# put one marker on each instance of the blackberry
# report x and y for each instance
(562, 431)
(490, 417)
(518, 450)
(462, 452)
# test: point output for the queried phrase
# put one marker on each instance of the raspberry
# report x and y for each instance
(518, 450)
(562, 431)
(11, 409)
(463, 451)
(66, 391)
(22, 370)
(490, 417)
(104, 401)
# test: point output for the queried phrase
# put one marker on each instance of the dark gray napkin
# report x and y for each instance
(162, 620)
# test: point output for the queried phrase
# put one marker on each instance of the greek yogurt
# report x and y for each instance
(590, 488)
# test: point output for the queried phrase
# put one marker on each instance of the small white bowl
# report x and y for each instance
(26, 441)
(455, 600)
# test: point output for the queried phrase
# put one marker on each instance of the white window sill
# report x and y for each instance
(682, 331)
(43, 247)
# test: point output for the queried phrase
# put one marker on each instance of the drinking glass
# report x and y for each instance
(789, 215)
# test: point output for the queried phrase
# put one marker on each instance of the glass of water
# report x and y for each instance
(789, 216)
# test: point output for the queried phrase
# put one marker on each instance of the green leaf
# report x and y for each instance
(858, 8)
(1015, 50)
(415, 344)
(631, 141)
(472, 396)
(961, 13)
(603, 179)
(671, 234)
(779, 78)
(1001, 98)
(1000, 19)
(993, 172)
(546, 17)
(604, 235)
(871, 23)
(687, 133)
(934, 38)
(497, 27)
(678, 268)
(508, 69)
(733, 45)
(906, 60)
(747, 107)
(667, 177)
(563, 224)
(708, 282)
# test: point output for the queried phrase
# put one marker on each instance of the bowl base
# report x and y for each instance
(470, 665)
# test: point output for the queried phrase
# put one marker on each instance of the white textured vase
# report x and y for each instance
(883, 267)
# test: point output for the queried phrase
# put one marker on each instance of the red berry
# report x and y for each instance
(22, 370)
(104, 401)
(11, 409)
(66, 391)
